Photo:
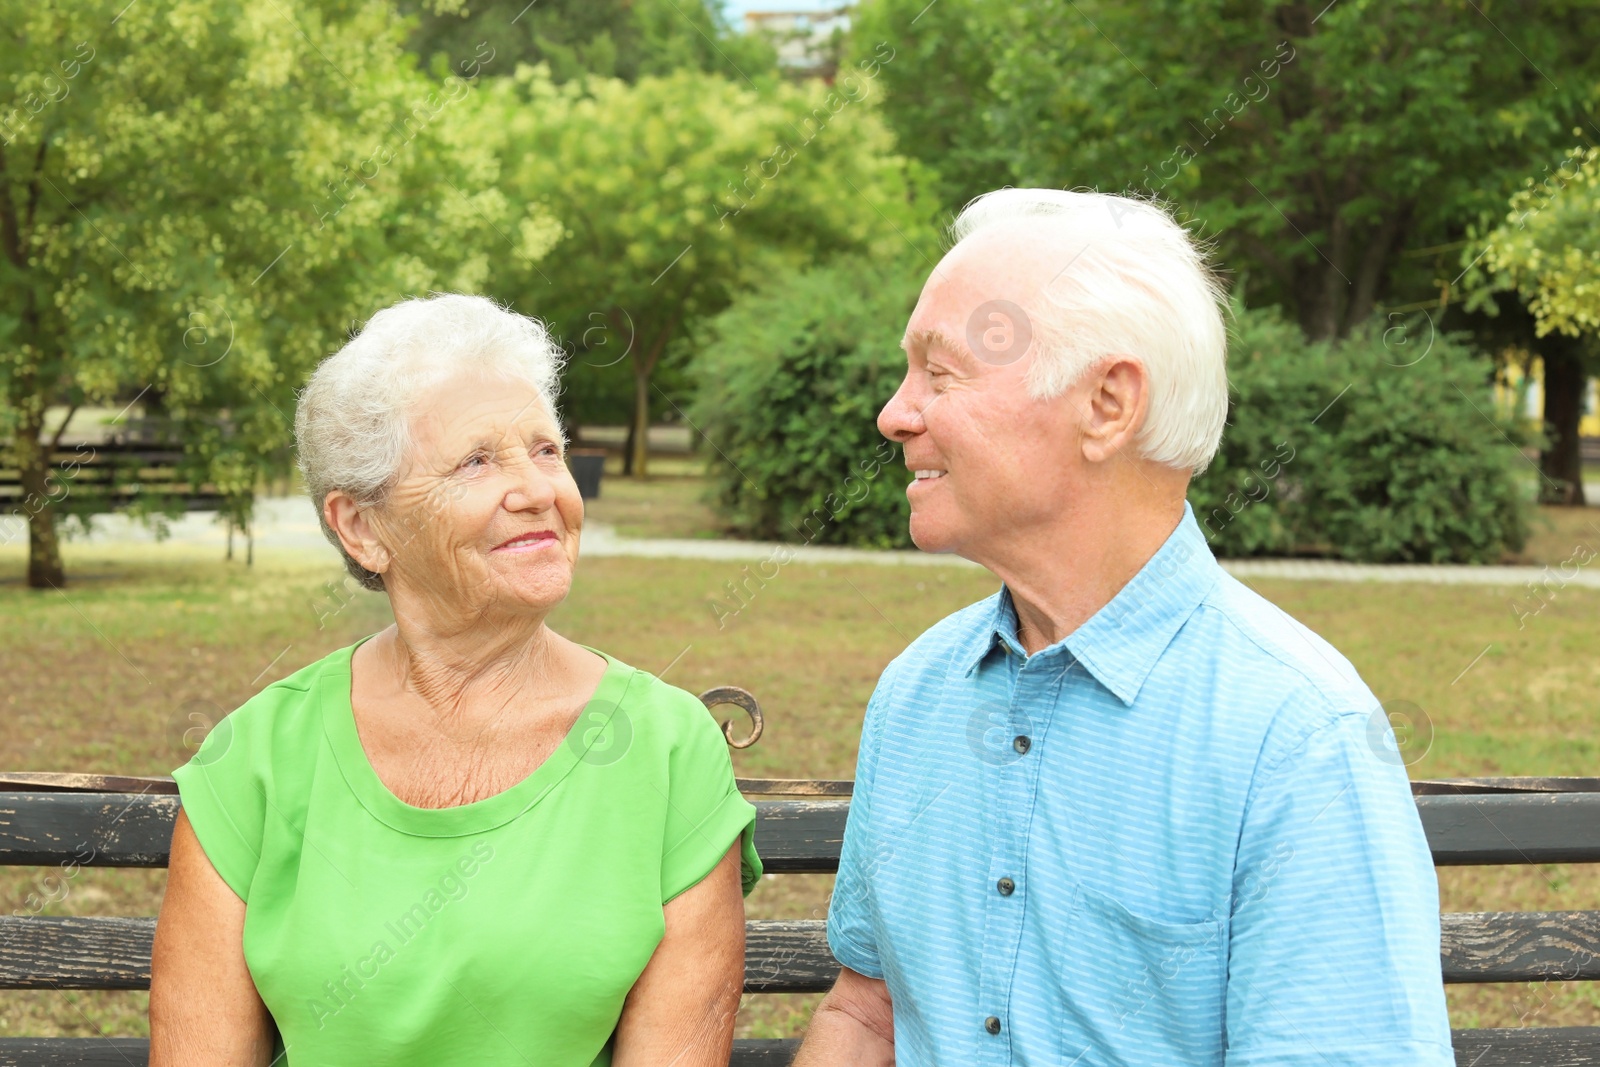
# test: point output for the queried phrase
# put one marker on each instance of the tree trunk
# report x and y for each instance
(640, 450)
(1314, 300)
(1373, 267)
(1564, 384)
(45, 570)
(627, 450)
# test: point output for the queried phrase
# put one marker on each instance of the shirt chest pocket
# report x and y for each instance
(1140, 991)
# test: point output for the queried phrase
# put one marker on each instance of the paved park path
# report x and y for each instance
(290, 524)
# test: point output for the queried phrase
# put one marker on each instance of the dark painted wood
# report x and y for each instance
(754, 1053)
(74, 1052)
(1464, 786)
(792, 956)
(1467, 822)
(122, 830)
(1526, 946)
(57, 781)
(791, 787)
(86, 829)
(86, 952)
(1512, 828)
(797, 836)
(788, 956)
(1532, 1047)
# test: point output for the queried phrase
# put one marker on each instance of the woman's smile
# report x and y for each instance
(532, 541)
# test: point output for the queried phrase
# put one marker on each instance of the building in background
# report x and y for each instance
(808, 40)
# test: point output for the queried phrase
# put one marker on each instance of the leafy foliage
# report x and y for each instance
(674, 195)
(789, 393)
(1382, 448)
(627, 39)
(1548, 248)
(196, 200)
(1316, 141)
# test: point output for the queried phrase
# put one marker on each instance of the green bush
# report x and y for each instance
(1382, 447)
(788, 393)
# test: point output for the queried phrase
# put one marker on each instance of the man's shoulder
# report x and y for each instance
(938, 648)
(1277, 666)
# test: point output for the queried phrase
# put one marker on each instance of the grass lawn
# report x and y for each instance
(671, 503)
(105, 677)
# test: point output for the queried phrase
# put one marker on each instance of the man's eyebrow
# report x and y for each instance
(926, 339)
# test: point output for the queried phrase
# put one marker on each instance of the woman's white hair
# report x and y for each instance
(1135, 282)
(353, 423)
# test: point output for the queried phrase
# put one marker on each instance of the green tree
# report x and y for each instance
(1317, 141)
(1539, 270)
(681, 191)
(936, 94)
(627, 39)
(196, 202)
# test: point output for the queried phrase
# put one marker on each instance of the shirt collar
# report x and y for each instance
(1121, 643)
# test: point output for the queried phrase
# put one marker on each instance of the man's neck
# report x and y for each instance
(1060, 575)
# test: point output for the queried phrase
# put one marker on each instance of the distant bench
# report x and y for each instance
(100, 476)
(46, 820)
(94, 478)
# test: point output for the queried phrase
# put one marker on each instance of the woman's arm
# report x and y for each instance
(204, 1008)
(680, 1012)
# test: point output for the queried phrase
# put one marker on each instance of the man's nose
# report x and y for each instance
(901, 417)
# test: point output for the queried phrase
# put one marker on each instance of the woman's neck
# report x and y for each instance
(464, 671)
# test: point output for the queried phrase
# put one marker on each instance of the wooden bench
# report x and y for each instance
(96, 477)
(100, 477)
(47, 820)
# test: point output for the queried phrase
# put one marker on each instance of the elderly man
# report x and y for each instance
(1125, 811)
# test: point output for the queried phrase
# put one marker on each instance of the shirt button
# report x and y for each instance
(1006, 887)
(1021, 743)
(992, 1024)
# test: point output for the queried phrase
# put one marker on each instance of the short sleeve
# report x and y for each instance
(224, 797)
(1333, 867)
(850, 927)
(705, 809)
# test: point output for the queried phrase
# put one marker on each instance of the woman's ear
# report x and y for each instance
(353, 524)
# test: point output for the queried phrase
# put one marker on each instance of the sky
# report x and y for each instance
(737, 8)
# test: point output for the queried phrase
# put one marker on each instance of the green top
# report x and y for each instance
(505, 931)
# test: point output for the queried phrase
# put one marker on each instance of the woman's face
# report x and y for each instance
(485, 517)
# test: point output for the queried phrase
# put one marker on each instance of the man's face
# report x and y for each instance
(989, 460)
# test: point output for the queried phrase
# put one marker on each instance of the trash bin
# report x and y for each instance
(587, 464)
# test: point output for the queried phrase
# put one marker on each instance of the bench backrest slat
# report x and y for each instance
(119, 830)
(792, 956)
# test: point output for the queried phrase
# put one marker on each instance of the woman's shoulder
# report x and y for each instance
(280, 719)
(666, 712)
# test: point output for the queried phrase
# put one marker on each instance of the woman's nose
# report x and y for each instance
(532, 488)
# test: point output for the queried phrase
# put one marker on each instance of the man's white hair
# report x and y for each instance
(1132, 282)
(353, 423)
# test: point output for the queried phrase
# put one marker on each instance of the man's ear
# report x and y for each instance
(1115, 402)
(354, 526)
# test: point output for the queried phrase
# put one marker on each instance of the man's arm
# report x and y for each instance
(853, 1027)
(1333, 867)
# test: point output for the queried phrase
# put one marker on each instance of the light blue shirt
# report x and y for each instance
(1181, 836)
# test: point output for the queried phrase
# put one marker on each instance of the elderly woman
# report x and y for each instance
(465, 838)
